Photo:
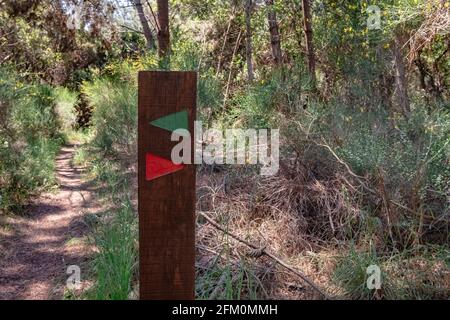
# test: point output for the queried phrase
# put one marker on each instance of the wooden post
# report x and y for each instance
(167, 202)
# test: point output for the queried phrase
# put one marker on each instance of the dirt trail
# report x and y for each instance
(37, 248)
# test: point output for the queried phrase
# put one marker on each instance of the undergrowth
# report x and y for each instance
(358, 185)
(30, 137)
(113, 231)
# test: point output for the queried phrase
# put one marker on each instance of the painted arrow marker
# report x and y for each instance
(172, 121)
(157, 167)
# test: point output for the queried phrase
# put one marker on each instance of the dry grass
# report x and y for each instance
(312, 220)
(436, 23)
(269, 214)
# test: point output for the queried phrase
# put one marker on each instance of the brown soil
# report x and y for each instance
(37, 247)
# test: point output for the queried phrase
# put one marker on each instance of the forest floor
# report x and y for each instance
(38, 246)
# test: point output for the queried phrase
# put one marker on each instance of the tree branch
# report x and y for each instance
(264, 251)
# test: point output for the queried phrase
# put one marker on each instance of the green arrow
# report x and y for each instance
(172, 122)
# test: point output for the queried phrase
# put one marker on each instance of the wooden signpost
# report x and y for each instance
(167, 101)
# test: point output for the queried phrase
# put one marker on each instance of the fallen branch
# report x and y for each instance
(263, 251)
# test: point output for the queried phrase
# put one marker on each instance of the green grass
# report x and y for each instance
(227, 278)
(351, 275)
(113, 232)
(116, 262)
(115, 115)
(227, 281)
(404, 274)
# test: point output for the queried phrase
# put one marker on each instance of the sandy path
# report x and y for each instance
(37, 248)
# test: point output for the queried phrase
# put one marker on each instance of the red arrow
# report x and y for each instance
(157, 166)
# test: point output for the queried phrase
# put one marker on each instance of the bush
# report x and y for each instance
(114, 115)
(29, 140)
(255, 106)
(66, 101)
(402, 161)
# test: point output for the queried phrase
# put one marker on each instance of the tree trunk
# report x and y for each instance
(224, 43)
(401, 80)
(307, 27)
(163, 33)
(274, 33)
(249, 49)
(145, 26)
(230, 73)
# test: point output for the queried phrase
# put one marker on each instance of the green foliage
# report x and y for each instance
(367, 143)
(37, 38)
(116, 262)
(29, 140)
(209, 95)
(114, 232)
(227, 281)
(351, 274)
(186, 55)
(403, 148)
(115, 114)
(255, 106)
(435, 151)
(66, 101)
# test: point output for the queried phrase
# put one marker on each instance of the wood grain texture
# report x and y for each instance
(166, 204)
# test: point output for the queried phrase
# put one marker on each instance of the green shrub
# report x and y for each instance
(29, 140)
(66, 101)
(255, 106)
(210, 98)
(115, 115)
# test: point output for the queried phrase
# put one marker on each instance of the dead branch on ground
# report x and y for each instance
(263, 251)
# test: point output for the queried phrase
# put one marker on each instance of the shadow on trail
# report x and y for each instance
(37, 247)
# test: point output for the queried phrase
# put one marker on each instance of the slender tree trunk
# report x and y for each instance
(307, 27)
(230, 73)
(163, 33)
(145, 25)
(224, 43)
(249, 49)
(401, 80)
(274, 33)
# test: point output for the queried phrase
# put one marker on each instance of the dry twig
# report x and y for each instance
(266, 253)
